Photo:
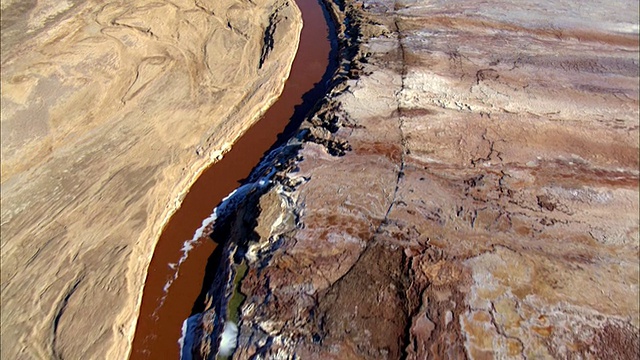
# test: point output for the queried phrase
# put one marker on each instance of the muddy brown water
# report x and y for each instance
(162, 312)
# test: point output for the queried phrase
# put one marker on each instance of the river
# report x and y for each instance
(176, 271)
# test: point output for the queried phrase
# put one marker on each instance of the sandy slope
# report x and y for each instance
(109, 111)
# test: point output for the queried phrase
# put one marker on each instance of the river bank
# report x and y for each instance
(176, 271)
(470, 174)
(109, 113)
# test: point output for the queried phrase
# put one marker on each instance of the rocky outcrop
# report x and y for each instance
(110, 110)
(467, 189)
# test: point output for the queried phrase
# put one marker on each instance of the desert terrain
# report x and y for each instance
(467, 189)
(110, 110)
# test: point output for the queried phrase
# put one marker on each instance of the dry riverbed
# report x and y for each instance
(110, 110)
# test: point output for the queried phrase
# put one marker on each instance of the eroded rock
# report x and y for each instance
(110, 110)
(487, 206)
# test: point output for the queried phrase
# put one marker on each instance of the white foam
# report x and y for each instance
(187, 246)
(186, 339)
(229, 339)
(230, 332)
(183, 336)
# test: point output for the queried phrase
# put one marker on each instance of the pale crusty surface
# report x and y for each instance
(487, 205)
(110, 109)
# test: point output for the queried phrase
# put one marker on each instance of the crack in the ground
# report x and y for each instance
(407, 261)
(492, 314)
(492, 151)
(403, 141)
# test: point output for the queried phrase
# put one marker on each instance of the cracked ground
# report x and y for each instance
(484, 201)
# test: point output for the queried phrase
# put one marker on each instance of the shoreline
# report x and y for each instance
(208, 322)
(215, 155)
(303, 84)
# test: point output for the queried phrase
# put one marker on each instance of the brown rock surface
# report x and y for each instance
(468, 189)
(109, 111)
